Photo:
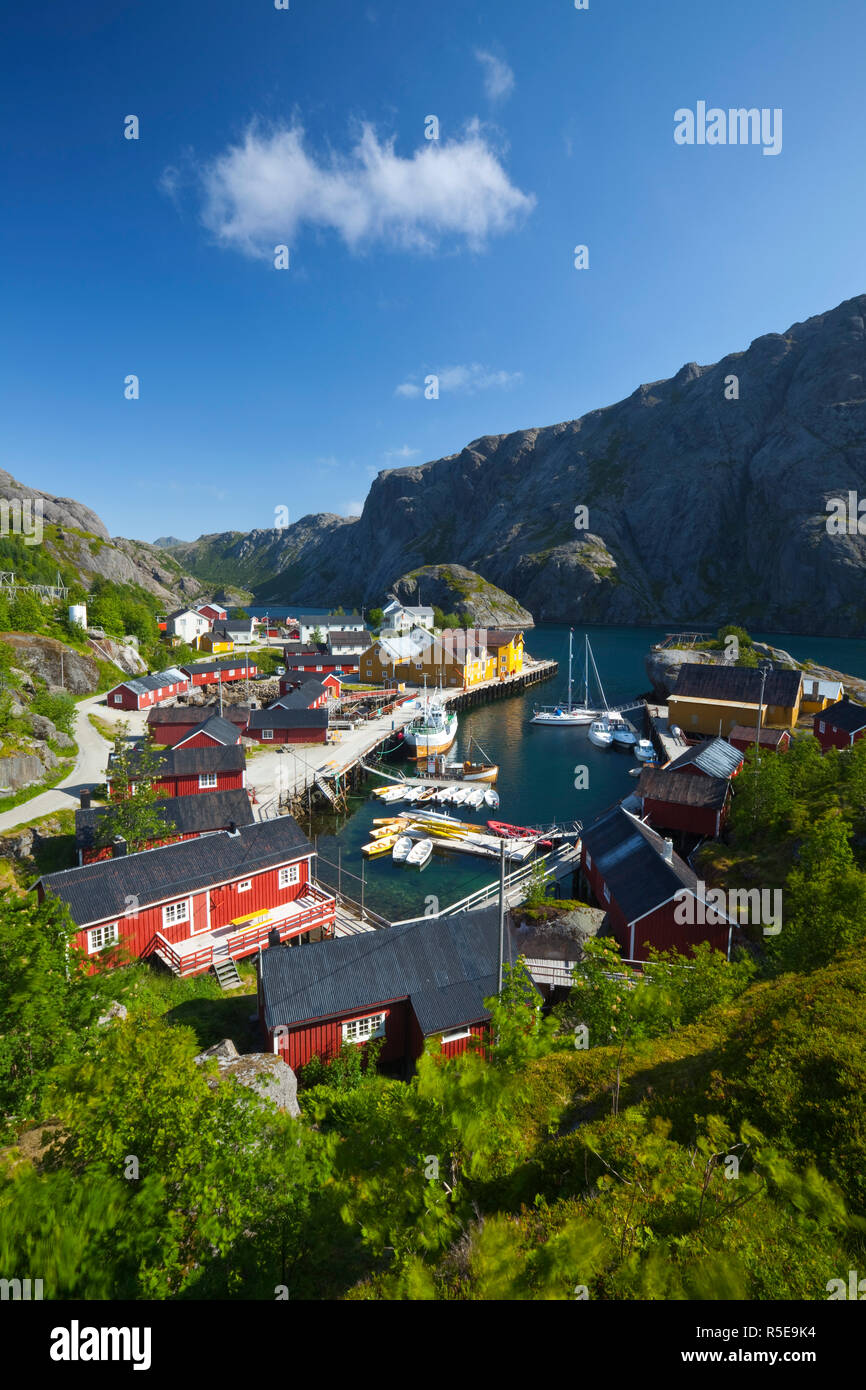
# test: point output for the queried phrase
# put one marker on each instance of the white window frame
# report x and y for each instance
(455, 1037)
(245, 885)
(98, 938)
(207, 780)
(118, 699)
(176, 918)
(289, 876)
(267, 735)
(821, 728)
(361, 1030)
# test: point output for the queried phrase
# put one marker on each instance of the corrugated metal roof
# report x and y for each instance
(187, 761)
(715, 757)
(184, 815)
(96, 892)
(448, 965)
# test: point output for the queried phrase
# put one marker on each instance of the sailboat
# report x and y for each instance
(569, 714)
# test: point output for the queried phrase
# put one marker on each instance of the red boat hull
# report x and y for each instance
(509, 832)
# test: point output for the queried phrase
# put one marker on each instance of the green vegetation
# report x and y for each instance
(132, 813)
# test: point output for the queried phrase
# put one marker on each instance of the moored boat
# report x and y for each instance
(419, 853)
(401, 849)
(644, 751)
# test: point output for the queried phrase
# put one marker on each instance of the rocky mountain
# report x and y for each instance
(74, 536)
(455, 589)
(705, 494)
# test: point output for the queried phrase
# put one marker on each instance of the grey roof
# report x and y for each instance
(224, 730)
(197, 714)
(445, 966)
(738, 684)
(188, 815)
(186, 761)
(300, 699)
(714, 756)
(225, 663)
(288, 719)
(97, 892)
(770, 737)
(326, 619)
(845, 715)
(142, 685)
(629, 856)
(346, 639)
(681, 789)
(231, 625)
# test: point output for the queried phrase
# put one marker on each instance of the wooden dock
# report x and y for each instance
(665, 743)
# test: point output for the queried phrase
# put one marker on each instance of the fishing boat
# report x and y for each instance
(569, 715)
(401, 849)
(419, 853)
(644, 751)
(432, 732)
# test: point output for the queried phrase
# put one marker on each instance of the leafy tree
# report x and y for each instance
(824, 899)
(133, 813)
(317, 636)
(5, 618)
(376, 618)
(48, 1000)
(59, 708)
(26, 613)
(239, 613)
(539, 885)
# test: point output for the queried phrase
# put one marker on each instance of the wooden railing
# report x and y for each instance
(322, 913)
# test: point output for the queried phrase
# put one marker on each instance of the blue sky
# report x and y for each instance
(263, 388)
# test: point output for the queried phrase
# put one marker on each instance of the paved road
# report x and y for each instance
(89, 767)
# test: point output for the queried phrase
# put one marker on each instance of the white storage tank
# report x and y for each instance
(78, 614)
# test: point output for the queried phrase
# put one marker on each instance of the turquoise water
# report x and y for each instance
(537, 764)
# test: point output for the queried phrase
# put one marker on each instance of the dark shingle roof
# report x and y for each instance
(715, 757)
(224, 730)
(301, 699)
(188, 815)
(845, 716)
(96, 892)
(629, 856)
(738, 684)
(225, 663)
(447, 967)
(197, 714)
(680, 789)
(288, 719)
(770, 737)
(186, 761)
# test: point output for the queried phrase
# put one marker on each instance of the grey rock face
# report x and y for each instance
(115, 1011)
(42, 726)
(20, 770)
(42, 657)
(269, 1076)
(455, 589)
(701, 509)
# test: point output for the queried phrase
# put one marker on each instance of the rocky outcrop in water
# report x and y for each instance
(455, 589)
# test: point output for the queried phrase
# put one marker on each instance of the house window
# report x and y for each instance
(267, 733)
(820, 724)
(359, 1030)
(118, 699)
(173, 913)
(289, 875)
(318, 668)
(100, 937)
(455, 1037)
(245, 885)
(207, 779)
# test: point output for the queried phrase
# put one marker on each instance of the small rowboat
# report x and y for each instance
(401, 849)
(419, 854)
(381, 846)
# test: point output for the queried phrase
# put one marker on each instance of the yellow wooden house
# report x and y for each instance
(819, 695)
(712, 700)
(455, 658)
(216, 645)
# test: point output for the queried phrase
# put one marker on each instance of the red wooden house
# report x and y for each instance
(772, 740)
(713, 757)
(171, 725)
(309, 694)
(676, 801)
(192, 771)
(331, 682)
(212, 611)
(219, 672)
(143, 692)
(185, 817)
(288, 726)
(841, 725)
(402, 986)
(199, 903)
(644, 886)
(215, 732)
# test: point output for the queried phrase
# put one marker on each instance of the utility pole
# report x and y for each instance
(766, 670)
(501, 915)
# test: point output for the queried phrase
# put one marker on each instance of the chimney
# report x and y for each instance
(668, 850)
(118, 847)
(273, 937)
(84, 798)
(233, 830)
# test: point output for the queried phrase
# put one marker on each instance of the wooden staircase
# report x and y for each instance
(226, 972)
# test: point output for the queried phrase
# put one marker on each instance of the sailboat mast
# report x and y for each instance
(570, 643)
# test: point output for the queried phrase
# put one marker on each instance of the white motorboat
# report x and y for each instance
(569, 715)
(624, 735)
(476, 798)
(419, 853)
(402, 848)
(644, 751)
(601, 732)
(433, 732)
(460, 796)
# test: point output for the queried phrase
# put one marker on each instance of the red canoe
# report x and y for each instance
(509, 832)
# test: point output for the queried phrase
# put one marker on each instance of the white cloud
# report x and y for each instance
(498, 77)
(466, 380)
(353, 508)
(404, 452)
(264, 191)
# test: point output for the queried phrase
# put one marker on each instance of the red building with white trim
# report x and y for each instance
(221, 672)
(142, 692)
(216, 732)
(676, 801)
(288, 725)
(640, 882)
(193, 771)
(401, 986)
(185, 818)
(840, 726)
(198, 903)
(173, 724)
